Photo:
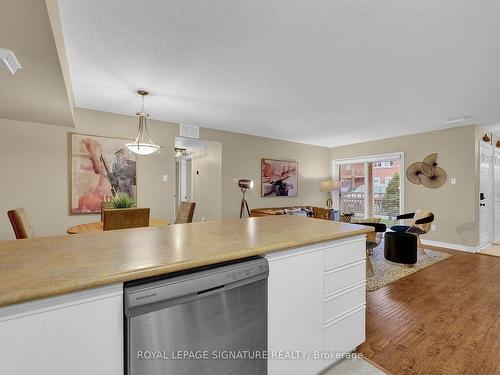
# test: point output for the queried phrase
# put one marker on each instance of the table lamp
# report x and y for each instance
(328, 187)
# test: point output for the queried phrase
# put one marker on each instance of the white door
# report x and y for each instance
(496, 195)
(485, 196)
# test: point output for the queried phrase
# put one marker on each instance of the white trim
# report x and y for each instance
(453, 246)
(369, 158)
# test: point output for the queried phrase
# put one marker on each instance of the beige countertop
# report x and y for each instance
(50, 266)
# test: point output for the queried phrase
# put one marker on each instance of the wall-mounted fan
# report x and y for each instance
(427, 173)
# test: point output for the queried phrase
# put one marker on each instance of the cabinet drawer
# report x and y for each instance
(345, 276)
(346, 333)
(345, 253)
(338, 304)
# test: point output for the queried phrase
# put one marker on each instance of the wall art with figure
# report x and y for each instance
(101, 168)
(279, 178)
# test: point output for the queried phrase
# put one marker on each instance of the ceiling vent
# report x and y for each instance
(10, 60)
(189, 131)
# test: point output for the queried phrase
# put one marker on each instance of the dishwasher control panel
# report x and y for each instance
(196, 282)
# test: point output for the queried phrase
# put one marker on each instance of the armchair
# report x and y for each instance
(420, 225)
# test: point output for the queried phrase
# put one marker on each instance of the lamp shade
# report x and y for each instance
(143, 145)
(245, 184)
(329, 185)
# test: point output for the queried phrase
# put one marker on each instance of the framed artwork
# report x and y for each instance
(101, 168)
(279, 178)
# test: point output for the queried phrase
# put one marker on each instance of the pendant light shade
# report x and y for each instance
(143, 145)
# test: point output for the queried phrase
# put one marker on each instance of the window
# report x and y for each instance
(352, 182)
(383, 164)
(370, 188)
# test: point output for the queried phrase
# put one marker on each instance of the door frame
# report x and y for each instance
(483, 145)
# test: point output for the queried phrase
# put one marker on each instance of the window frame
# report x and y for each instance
(372, 159)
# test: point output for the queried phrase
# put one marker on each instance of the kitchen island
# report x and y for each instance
(61, 297)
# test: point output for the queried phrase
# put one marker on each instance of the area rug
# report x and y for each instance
(386, 273)
(493, 250)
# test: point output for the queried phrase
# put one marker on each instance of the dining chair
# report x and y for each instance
(373, 239)
(125, 218)
(185, 213)
(20, 224)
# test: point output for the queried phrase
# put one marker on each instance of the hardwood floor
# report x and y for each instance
(444, 319)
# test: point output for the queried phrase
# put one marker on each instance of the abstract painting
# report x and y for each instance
(279, 178)
(101, 168)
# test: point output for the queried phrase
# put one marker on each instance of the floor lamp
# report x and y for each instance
(244, 186)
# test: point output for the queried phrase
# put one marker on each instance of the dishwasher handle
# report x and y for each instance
(209, 291)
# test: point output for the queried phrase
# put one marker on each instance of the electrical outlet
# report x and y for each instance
(235, 180)
(165, 178)
(453, 180)
(433, 227)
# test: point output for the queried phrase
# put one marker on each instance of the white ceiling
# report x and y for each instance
(320, 72)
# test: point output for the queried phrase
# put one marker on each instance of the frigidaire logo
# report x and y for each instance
(146, 296)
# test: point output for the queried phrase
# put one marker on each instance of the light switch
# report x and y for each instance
(453, 180)
(235, 180)
(165, 178)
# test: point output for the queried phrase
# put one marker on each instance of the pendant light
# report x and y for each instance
(143, 145)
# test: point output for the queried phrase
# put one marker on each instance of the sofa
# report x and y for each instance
(309, 211)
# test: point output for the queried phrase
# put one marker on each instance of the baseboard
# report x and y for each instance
(453, 246)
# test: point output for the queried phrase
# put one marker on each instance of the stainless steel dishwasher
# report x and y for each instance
(210, 322)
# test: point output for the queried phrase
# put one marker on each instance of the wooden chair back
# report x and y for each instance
(322, 213)
(20, 224)
(124, 218)
(185, 213)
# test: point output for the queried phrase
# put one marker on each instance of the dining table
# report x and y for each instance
(98, 226)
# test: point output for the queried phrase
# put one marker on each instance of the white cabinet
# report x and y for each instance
(316, 305)
(295, 309)
(345, 296)
(79, 333)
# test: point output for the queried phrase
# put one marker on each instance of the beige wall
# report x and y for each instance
(34, 169)
(453, 205)
(241, 157)
(206, 174)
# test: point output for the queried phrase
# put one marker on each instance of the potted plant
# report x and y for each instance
(119, 201)
(346, 216)
(122, 201)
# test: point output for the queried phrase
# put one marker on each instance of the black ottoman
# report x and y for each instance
(400, 247)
